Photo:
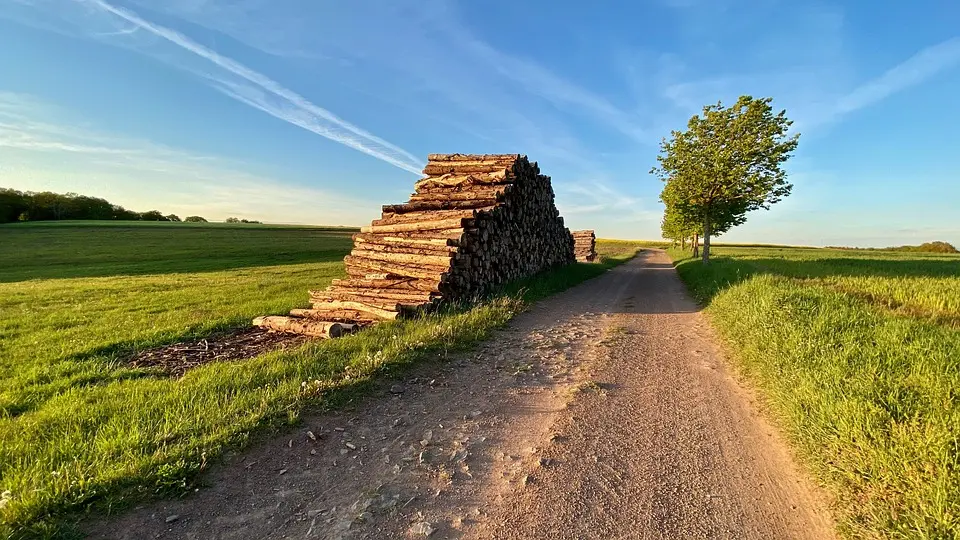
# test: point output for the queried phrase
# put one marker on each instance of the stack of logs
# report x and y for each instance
(585, 246)
(474, 223)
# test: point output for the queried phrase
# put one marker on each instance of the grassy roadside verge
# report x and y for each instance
(868, 392)
(98, 445)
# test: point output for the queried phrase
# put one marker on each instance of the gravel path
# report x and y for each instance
(603, 412)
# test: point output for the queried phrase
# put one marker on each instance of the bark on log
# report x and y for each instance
(473, 157)
(385, 314)
(404, 258)
(307, 327)
(389, 284)
(462, 168)
(405, 297)
(463, 190)
(420, 206)
(456, 179)
(359, 267)
(443, 224)
(427, 216)
(336, 315)
(482, 192)
(427, 241)
(387, 304)
(418, 249)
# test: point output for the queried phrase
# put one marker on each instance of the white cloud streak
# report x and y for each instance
(118, 26)
(142, 175)
(439, 51)
(289, 106)
(542, 82)
(915, 70)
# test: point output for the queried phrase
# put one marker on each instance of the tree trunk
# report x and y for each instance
(683, 243)
(696, 245)
(307, 327)
(706, 240)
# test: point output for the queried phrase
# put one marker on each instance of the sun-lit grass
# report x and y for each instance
(80, 430)
(858, 354)
(56, 249)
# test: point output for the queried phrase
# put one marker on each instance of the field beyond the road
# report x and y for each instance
(81, 430)
(858, 355)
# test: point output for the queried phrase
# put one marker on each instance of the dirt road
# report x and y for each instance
(604, 412)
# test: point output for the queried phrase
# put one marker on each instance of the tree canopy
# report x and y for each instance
(45, 206)
(725, 164)
(675, 226)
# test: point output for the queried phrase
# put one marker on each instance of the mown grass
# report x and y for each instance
(64, 249)
(81, 432)
(858, 354)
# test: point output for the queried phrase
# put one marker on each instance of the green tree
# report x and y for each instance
(233, 220)
(13, 204)
(122, 214)
(153, 215)
(727, 163)
(194, 219)
(173, 217)
(676, 227)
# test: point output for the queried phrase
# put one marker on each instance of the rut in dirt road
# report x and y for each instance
(603, 412)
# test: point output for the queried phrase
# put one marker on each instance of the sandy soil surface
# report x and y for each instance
(603, 412)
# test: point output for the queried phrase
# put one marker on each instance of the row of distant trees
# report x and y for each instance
(926, 247)
(46, 206)
(725, 164)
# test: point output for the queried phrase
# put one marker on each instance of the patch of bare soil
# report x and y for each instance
(603, 412)
(240, 344)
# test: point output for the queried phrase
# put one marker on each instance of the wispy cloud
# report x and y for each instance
(546, 84)
(271, 97)
(915, 70)
(597, 196)
(122, 32)
(118, 26)
(141, 175)
(506, 97)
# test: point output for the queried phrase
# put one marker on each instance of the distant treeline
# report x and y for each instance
(47, 206)
(926, 247)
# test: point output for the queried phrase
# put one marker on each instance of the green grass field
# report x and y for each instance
(858, 355)
(79, 431)
(67, 249)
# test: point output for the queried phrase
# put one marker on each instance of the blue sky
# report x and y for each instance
(309, 111)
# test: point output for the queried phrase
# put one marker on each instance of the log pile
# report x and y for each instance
(585, 246)
(474, 222)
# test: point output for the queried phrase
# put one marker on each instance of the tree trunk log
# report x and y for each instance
(420, 206)
(386, 314)
(374, 295)
(416, 249)
(404, 258)
(473, 158)
(407, 284)
(481, 192)
(426, 240)
(465, 168)
(439, 225)
(360, 267)
(307, 327)
(456, 179)
(336, 315)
